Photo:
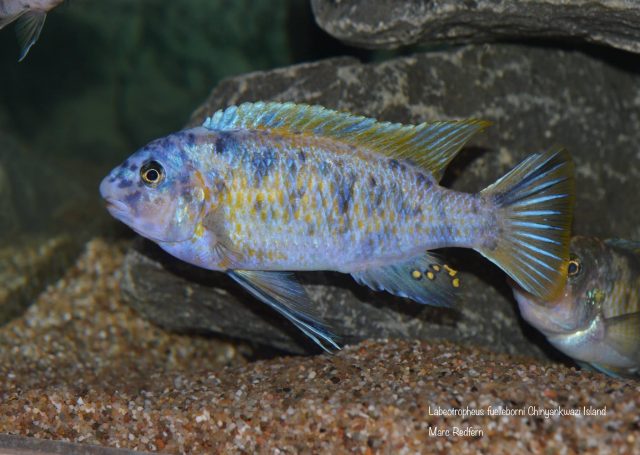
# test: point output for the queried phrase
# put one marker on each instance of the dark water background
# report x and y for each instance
(107, 77)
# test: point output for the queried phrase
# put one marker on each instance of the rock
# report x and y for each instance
(185, 298)
(45, 218)
(27, 266)
(388, 396)
(16, 445)
(382, 24)
(9, 219)
(535, 97)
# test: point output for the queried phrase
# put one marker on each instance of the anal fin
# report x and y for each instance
(423, 278)
(281, 292)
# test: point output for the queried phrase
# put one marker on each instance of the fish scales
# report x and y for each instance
(262, 189)
(299, 203)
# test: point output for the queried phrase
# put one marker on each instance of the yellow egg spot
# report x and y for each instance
(430, 275)
(435, 267)
(450, 271)
(456, 282)
(416, 274)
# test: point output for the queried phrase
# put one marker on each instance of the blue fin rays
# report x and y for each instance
(535, 202)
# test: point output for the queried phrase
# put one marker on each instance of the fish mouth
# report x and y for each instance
(117, 208)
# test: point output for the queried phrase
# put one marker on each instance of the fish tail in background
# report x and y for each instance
(535, 207)
(28, 29)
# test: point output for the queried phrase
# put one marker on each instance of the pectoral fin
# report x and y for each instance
(229, 255)
(623, 334)
(280, 291)
(28, 29)
(424, 279)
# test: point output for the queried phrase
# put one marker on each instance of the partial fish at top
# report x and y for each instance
(263, 189)
(30, 16)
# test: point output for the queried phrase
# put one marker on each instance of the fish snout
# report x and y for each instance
(108, 191)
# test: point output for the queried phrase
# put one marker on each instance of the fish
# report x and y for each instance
(596, 318)
(29, 16)
(262, 190)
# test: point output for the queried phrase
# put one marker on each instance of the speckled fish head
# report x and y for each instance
(157, 191)
(587, 284)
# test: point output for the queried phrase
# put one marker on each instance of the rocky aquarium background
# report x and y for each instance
(106, 340)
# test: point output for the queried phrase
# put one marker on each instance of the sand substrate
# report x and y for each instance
(80, 366)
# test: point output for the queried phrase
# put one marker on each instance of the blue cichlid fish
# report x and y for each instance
(596, 319)
(265, 188)
(30, 16)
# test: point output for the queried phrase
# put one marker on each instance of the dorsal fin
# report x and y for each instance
(429, 145)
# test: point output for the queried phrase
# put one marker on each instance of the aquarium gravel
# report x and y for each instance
(79, 366)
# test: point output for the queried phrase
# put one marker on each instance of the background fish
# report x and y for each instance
(596, 319)
(30, 16)
(265, 188)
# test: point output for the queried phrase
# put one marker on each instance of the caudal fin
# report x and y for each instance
(535, 207)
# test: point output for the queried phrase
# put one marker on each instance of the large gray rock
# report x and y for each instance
(185, 298)
(384, 24)
(535, 97)
(27, 266)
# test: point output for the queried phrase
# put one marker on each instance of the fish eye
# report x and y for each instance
(574, 268)
(152, 173)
